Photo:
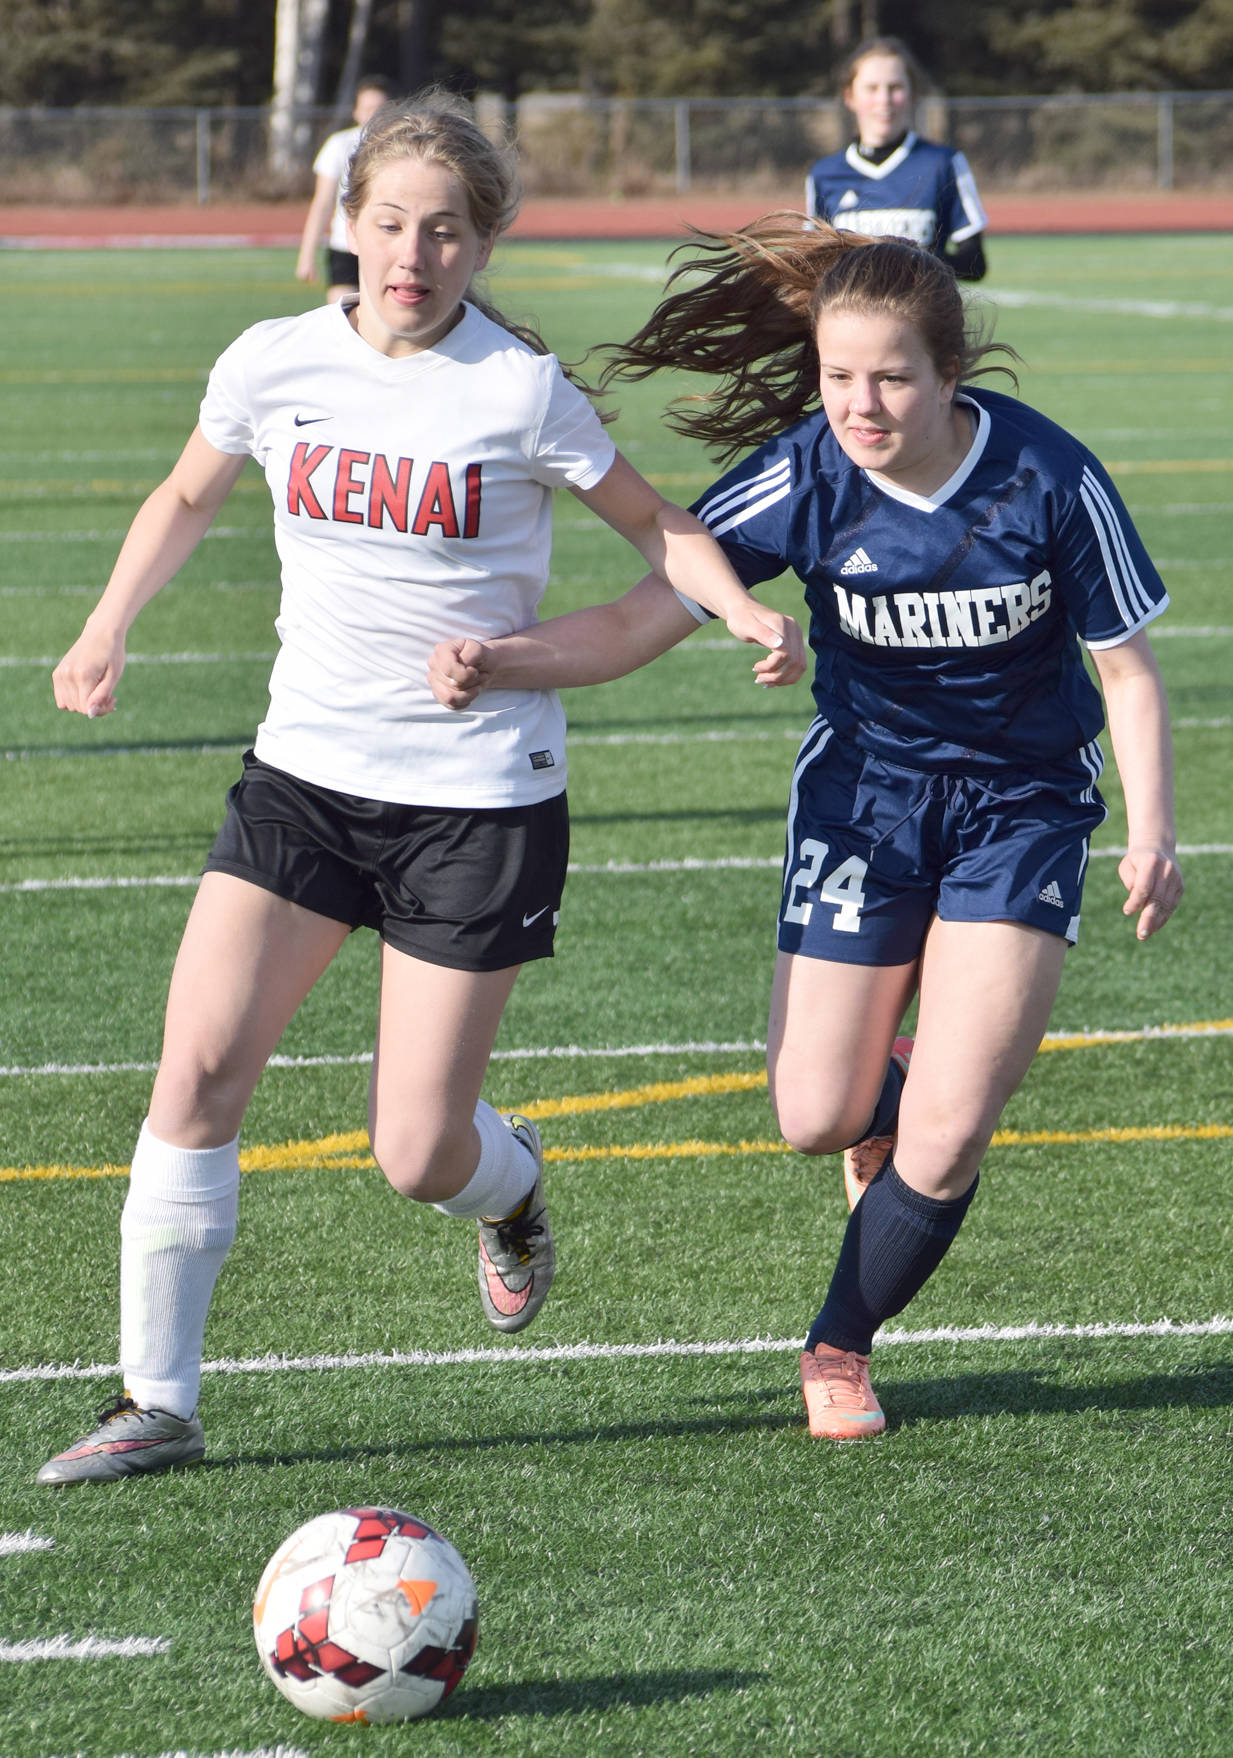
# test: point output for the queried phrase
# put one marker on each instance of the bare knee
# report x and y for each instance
(424, 1163)
(197, 1102)
(810, 1126)
(940, 1154)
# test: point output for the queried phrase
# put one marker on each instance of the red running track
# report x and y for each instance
(565, 219)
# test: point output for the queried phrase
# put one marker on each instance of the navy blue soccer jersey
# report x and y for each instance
(946, 628)
(922, 191)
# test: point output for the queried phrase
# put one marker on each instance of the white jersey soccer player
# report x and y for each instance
(412, 500)
(332, 162)
(411, 440)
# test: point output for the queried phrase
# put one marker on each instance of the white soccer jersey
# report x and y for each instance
(412, 501)
(334, 160)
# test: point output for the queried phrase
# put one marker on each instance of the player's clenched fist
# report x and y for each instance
(458, 669)
(85, 680)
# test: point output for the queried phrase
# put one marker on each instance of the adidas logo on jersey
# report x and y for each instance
(859, 563)
(1052, 894)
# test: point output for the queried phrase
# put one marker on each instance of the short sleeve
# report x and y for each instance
(335, 153)
(225, 418)
(747, 511)
(572, 448)
(1106, 577)
(966, 217)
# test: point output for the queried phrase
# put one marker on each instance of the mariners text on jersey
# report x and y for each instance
(946, 628)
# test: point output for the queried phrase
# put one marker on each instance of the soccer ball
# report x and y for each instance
(365, 1615)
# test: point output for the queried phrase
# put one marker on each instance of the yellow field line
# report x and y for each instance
(350, 1154)
(350, 1151)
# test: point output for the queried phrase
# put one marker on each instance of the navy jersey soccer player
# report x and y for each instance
(956, 547)
(890, 183)
(923, 192)
(946, 626)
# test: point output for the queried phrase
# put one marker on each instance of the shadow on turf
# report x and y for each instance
(1031, 1391)
(601, 1691)
(1026, 1392)
(585, 1436)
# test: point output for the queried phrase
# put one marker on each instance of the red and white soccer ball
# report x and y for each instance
(365, 1615)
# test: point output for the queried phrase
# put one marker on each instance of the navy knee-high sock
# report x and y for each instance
(896, 1239)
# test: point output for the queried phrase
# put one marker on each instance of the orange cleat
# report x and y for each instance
(865, 1159)
(838, 1397)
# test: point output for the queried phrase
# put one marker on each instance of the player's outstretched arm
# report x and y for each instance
(590, 646)
(169, 525)
(1138, 715)
(681, 549)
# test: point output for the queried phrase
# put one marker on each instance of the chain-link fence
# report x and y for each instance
(600, 147)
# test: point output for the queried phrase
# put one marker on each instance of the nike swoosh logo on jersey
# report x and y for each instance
(311, 420)
(527, 920)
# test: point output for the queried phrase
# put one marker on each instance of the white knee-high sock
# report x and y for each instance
(504, 1175)
(177, 1227)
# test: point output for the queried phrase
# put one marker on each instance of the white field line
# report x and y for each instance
(17, 1543)
(1163, 308)
(745, 735)
(41, 662)
(614, 869)
(181, 1752)
(86, 1648)
(596, 1052)
(715, 644)
(1174, 509)
(549, 1355)
(117, 536)
(361, 1058)
(91, 588)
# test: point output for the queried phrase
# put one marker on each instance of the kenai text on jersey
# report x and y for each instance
(366, 488)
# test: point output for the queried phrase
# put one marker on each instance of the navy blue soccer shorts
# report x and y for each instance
(875, 851)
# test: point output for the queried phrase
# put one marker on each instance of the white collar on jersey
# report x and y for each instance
(929, 503)
(868, 168)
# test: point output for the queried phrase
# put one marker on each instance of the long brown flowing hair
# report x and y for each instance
(745, 308)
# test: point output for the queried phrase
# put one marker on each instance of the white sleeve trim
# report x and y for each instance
(1125, 634)
(965, 184)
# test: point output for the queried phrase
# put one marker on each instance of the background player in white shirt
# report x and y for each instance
(889, 182)
(411, 441)
(955, 547)
(326, 218)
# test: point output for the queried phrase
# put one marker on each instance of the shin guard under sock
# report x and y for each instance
(895, 1240)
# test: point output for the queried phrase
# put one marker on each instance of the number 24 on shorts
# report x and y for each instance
(841, 887)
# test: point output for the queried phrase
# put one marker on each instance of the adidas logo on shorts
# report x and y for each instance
(859, 563)
(1052, 894)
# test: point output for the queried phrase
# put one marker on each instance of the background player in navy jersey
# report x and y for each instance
(411, 441)
(955, 548)
(889, 182)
